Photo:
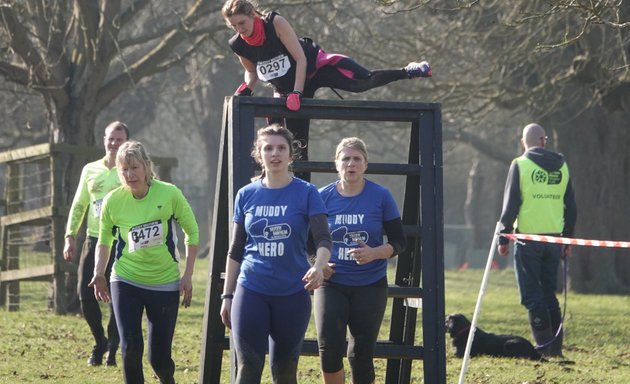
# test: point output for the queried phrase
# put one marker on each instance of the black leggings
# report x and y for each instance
(330, 77)
(130, 302)
(360, 310)
(89, 306)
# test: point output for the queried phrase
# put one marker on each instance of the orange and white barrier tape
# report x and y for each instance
(566, 240)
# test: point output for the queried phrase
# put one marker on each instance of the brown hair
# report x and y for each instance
(117, 126)
(134, 151)
(240, 7)
(353, 143)
(278, 130)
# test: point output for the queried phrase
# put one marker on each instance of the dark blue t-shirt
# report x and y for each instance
(358, 217)
(276, 222)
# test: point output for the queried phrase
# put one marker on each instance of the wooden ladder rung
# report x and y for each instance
(384, 349)
(374, 168)
(397, 291)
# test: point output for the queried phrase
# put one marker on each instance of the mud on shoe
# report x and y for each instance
(418, 69)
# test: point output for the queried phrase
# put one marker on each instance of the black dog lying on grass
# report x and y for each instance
(458, 326)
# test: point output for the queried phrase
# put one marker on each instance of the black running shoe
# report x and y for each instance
(97, 354)
(111, 359)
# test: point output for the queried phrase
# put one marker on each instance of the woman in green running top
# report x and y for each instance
(140, 215)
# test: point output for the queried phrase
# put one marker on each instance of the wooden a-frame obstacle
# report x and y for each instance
(420, 269)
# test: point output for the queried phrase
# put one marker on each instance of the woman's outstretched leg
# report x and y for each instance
(350, 76)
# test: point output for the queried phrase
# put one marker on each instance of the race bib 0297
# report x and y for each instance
(273, 68)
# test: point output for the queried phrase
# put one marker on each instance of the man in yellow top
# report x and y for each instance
(98, 178)
(539, 198)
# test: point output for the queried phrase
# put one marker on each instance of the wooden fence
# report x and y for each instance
(34, 214)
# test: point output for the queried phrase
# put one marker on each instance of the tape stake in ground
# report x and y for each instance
(567, 241)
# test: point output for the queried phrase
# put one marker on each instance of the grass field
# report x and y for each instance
(37, 346)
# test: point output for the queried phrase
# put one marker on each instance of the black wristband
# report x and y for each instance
(227, 296)
(245, 92)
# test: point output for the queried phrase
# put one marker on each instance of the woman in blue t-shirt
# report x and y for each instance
(354, 296)
(266, 300)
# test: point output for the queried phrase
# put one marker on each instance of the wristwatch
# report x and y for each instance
(227, 296)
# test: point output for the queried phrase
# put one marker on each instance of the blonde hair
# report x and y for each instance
(353, 143)
(131, 151)
(278, 130)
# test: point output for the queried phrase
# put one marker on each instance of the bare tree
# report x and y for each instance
(565, 64)
(81, 55)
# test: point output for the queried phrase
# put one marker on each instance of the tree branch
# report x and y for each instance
(14, 73)
(116, 86)
(129, 14)
(38, 71)
(130, 42)
(158, 59)
(21, 44)
(88, 21)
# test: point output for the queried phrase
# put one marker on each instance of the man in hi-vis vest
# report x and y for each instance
(538, 199)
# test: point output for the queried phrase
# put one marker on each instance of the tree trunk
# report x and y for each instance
(76, 126)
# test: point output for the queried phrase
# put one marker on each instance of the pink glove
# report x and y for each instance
(294, 100)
